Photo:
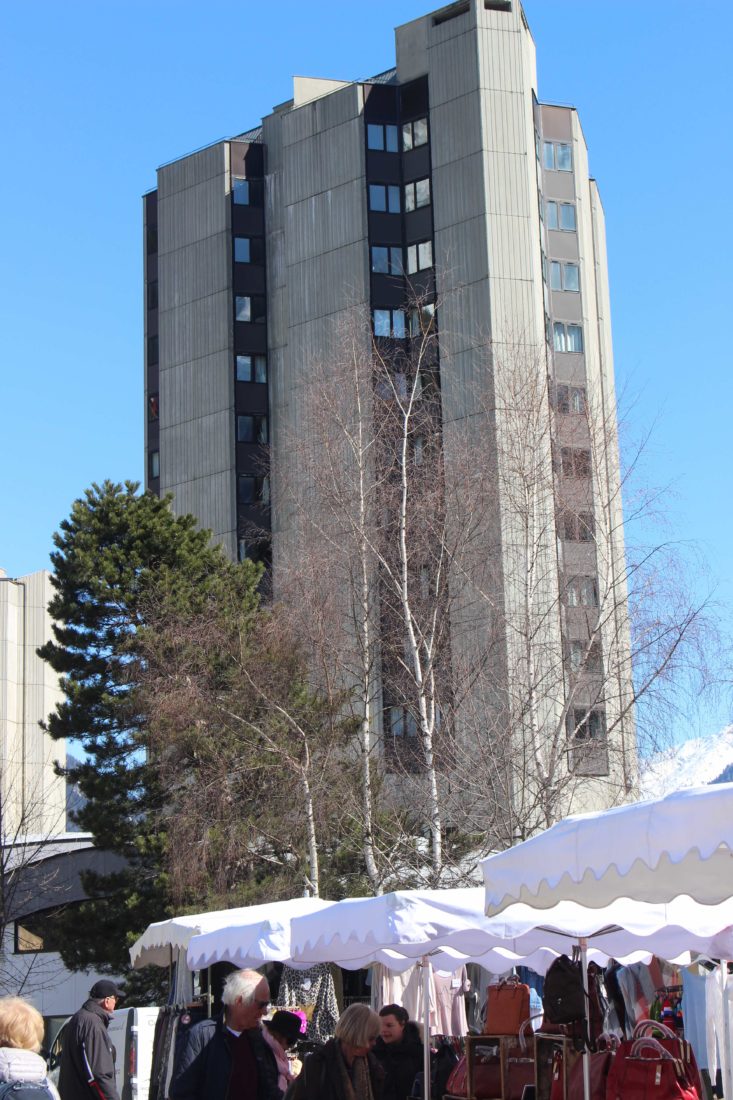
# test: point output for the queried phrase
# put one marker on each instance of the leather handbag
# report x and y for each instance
(600, 1067)
(486, 1078)
(507, 1007)
(647, 1071)
(679, 1049)
(519, 1066)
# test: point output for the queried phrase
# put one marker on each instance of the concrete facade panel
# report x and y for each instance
(461, 253)
(322, 114)
(325, 161)
(458, 191)
(197, 388)
(456, 130)
(505, 121)
(192, 215)
(453, 66)
(327, 284)
(193, 170)
(194, 331)
(326, 221)
(197, 448)
(507, 184)
(194, 271)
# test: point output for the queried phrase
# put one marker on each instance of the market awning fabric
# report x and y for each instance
(653, 851)
(450, 924)
(266, 925)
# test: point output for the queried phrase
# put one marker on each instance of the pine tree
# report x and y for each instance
(114, 551)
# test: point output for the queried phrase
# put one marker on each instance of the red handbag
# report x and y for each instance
(649, 1072)
(507, 1007)
(519, 1067)
(457, 1083)
(600, 1067)
(486, 1078)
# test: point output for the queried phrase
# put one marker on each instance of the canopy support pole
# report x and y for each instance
(425, 963)
(586, 1002)
(728, 1046)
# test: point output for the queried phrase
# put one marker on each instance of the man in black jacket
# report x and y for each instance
(228, 1059)
(88, 1056)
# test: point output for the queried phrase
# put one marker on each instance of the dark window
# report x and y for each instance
(557, 156)
(251, 368)
(256, 550)
(152, 350)
(417, 194)
(253, 490)
(382, 137)
(570, 399)
(153, 407)
(400, 722)
(250, 309)
(414, 134)
(389, 322)
(567, 337)
(386, 260)
(252, 429)
(575, 462)
(154, 464)
(582, 592)
(422, 320)
(248, 250)
(576, 527)
(151, 239)
(384, 198)
(39, 932)
(588, 750)
(560, 215)
(419, 256)
(564, 276)
(584, 656)
(240, 192)
(153, 294)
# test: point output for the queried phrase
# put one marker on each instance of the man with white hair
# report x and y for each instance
(228, 1058)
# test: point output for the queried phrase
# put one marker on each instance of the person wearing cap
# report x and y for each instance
(88, 1056)
(228, 1058)
(281, 1033)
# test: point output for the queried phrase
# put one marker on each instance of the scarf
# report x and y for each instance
(356, 1085)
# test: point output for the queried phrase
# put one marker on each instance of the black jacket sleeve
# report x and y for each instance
(189, 1073)
(98, 1061)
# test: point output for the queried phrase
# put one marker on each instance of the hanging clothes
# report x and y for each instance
(313, 991)
(450, 1002)
(694, 1015)
(404, 989)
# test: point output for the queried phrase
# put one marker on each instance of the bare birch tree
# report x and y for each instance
(465, 580)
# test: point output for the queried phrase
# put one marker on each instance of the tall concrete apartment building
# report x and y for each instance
(32, 796)
(446, 168)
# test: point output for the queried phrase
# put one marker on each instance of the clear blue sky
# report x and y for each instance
(97, 93)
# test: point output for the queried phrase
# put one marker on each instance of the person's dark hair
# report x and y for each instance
(400, 1014)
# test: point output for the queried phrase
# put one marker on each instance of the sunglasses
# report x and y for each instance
(262, 1004)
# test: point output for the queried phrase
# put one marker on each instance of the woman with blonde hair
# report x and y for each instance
(21, 1035)
(344, 1068)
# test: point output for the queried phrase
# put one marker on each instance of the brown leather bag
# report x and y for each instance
(519, 1066)
(507, 1007)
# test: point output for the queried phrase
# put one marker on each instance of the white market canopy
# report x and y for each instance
(450, 926)
(262, 928)
(651, 851)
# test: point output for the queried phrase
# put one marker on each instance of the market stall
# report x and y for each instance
(675, 852)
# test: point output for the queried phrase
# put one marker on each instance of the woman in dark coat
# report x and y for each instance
(399, 1050)
(344, 1068)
